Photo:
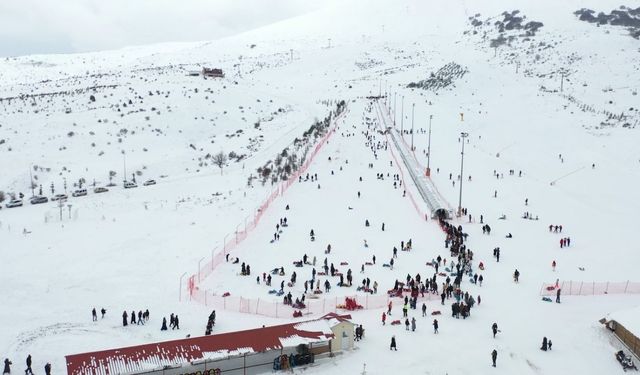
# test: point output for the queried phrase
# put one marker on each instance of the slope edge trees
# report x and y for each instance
(289, 160)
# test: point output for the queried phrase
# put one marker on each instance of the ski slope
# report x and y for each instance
(134, 249)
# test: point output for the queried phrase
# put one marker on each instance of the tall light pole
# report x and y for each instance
(402, 118)
(463, 136)
(429, 148)
(394, 110)
(413, 107)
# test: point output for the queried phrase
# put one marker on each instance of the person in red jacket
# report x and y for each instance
(384, 318)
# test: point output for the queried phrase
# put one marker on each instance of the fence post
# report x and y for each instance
(606, 291)
(626, 286)
(593, 288)
(571, 287)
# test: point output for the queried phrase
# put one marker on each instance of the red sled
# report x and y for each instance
(226, 294)
(436, 312)
(395, 323)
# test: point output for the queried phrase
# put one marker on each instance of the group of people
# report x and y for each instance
(28, 370)
(142, 317)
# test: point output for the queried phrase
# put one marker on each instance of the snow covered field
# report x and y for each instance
(134, 249)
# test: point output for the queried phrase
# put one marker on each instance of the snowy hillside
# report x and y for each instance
(540, 87)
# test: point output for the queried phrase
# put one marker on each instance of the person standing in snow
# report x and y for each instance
(47, 369)
(393, 344)
(124, 319)
(516, 275)
(413, 324)
(494, 357)
(103, 311)
(553, 266)
(494, 328)
(558, 295)
(133, 317)
(7, 366)
(384, 318)
(544, 344)
(94, 314)
(424, 309)
(435, 325)
(164, 324)
(406, 324)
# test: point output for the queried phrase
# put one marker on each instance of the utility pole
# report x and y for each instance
(429, 148)
(124, 164)
(562, 73)
(394, 110)
(463, 136)
(402, 118)
(60, 206)
(413, 107)
(31, 182)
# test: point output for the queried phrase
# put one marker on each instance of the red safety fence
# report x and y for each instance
(237, 237)
(313, 306)
(590, 288)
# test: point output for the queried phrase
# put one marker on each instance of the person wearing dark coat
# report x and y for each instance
(47, 369)
(164, 324)
(176, 322)
(94, 314)
(550, 343)
(558, 295)
(103, 311)
(124, 319)
(494, 357)
(393, 344)
(7, 366)
(494, 328)
(544, 344)
(28, 370)
(133, 317)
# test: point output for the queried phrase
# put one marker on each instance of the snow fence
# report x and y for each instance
(590, 288)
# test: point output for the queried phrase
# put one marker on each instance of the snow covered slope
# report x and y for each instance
(83, 116)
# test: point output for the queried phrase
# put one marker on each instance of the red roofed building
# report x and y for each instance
(242, 352)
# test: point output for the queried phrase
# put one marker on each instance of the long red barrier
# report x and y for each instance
(590, 288)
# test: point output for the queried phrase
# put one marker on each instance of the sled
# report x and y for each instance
(368, 264)
(386, 265)
(344, 263)
(436, 312)
(395, 323)
(226, 294)
(547, 299)
(272, 241)
(551, 287)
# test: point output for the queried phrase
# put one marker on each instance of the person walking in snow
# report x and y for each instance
(544, 344)
(494, 357)
(494, 328)
(7, 366)
(406, 324)
(389, 308)
(516, 275)
(133, 317)
(393, 344)
(435, 325)
(384, 318)
(124, 319)
(28, 370)
(558, 295)
(164, 324)
(424, 309)
(94, 314)
(103, 311)
(413, 324)
(47, 369)
(553, 266)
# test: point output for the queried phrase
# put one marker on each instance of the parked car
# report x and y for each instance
(130, 185)
(14, 203)
(79, 193)
(57, 197)
(100, 190)
(149, 182)
(38, 199)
